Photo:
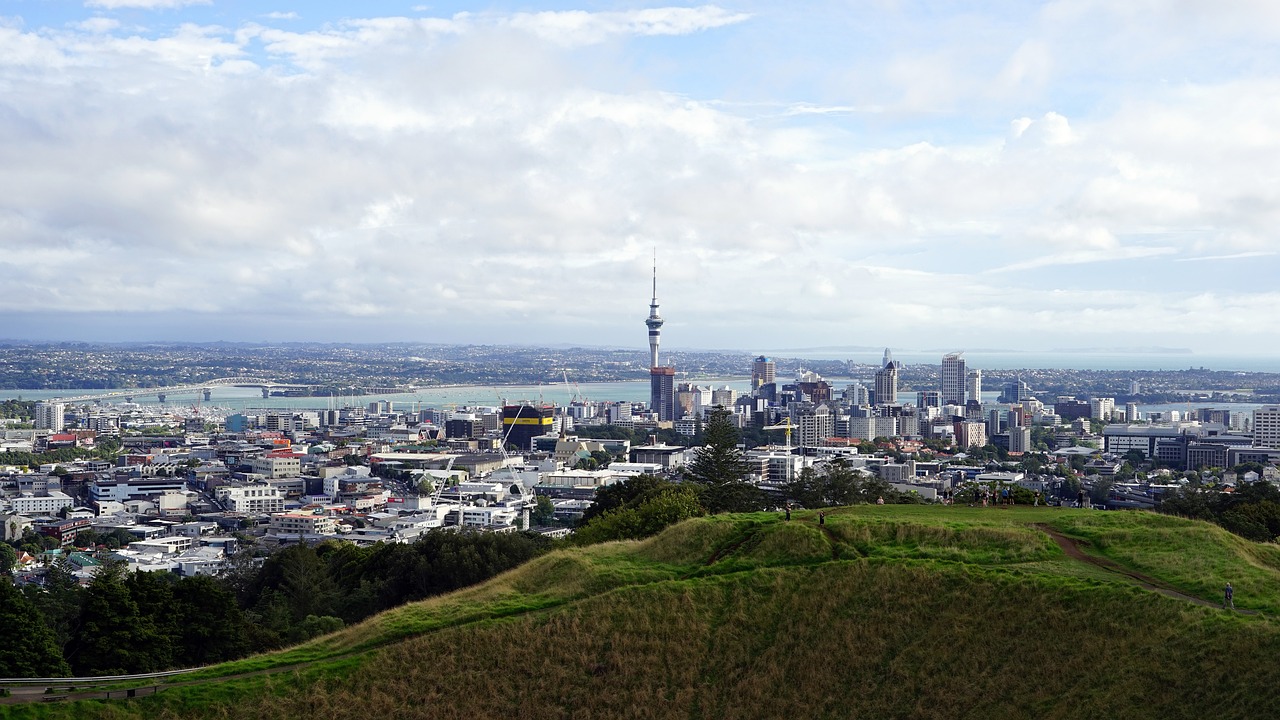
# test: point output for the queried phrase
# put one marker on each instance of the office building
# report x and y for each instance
(1266, 426)
(886, 384)
(763, 372)
(928, 399)
(954, 376)
(662, 393)
(522, 423)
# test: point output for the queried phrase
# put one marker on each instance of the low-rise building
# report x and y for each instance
(252, 499)
(303, 524)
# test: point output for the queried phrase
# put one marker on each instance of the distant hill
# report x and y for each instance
(884, 611)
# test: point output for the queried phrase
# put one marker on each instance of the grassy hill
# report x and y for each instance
(885, 611)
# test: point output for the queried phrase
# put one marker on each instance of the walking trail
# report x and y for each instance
(1071, 547)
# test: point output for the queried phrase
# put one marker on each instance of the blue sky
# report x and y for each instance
(914, 174)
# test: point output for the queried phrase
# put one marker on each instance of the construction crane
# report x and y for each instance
(782, 426)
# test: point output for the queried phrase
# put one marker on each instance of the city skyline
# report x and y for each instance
(1066, 174)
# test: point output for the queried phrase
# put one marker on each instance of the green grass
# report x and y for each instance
(883, 611)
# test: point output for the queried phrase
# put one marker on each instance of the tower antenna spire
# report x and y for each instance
(654, 321)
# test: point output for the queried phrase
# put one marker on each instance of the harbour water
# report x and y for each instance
(249, 398)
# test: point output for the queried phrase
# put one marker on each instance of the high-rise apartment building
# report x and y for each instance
(954, 376)
(1019, 439)
(975, 386)
(763, 372)
(813, 424)
(1100, 408)
(49, 416)
(928, 399)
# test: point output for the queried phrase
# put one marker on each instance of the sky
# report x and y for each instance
(1021, 175)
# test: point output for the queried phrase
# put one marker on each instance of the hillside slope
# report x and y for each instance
(881, 612)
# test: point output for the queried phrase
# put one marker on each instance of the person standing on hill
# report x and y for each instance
(1080, 498)
(1228, 597)
(822, 517)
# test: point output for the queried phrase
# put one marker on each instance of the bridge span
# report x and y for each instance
(205, 388)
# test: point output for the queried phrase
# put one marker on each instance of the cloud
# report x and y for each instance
(145, 4)
(577, 27)
(1232, 256)
(505, 177)
(278, 15)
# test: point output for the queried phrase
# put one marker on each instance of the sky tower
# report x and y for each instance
(662, 388)
(654, 321)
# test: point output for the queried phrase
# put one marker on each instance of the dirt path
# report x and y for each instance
(1071, 547)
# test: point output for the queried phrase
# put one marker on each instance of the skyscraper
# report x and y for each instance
(763, 372)
(953, 379)
(662, 392)
(975, 386)
(886, 385)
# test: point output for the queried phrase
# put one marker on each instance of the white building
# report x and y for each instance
(252, 499)
(953, 379)
(1019, 439)
(1101, 408)
(1266, 426)
(48, 504)
(49, 416)
(276, 467)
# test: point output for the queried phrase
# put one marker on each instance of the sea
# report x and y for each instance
(241, 399)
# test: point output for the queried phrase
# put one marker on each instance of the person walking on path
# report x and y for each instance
(822, 517)
(1080, 498)
(788, 511)
(1228, 597)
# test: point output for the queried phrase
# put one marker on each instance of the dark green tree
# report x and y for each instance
(646, 515)
(211, 627)
(30, 648)
(8, 559)
(720, 467)
(544, 511)
(113, 637)
(59, 602)
(621, 494)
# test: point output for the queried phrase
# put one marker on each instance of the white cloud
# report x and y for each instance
(577, 27)
(278, 15)
(480, 169)
(145, 4)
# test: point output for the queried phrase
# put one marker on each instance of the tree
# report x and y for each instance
(211, 627)
(8, 559)
(621, 494)
(113, 636)
(721, 469)
(646, 515)
(544, 511)
(30, 648)
(59, 602)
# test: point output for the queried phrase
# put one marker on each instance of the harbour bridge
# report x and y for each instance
(204, 388)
